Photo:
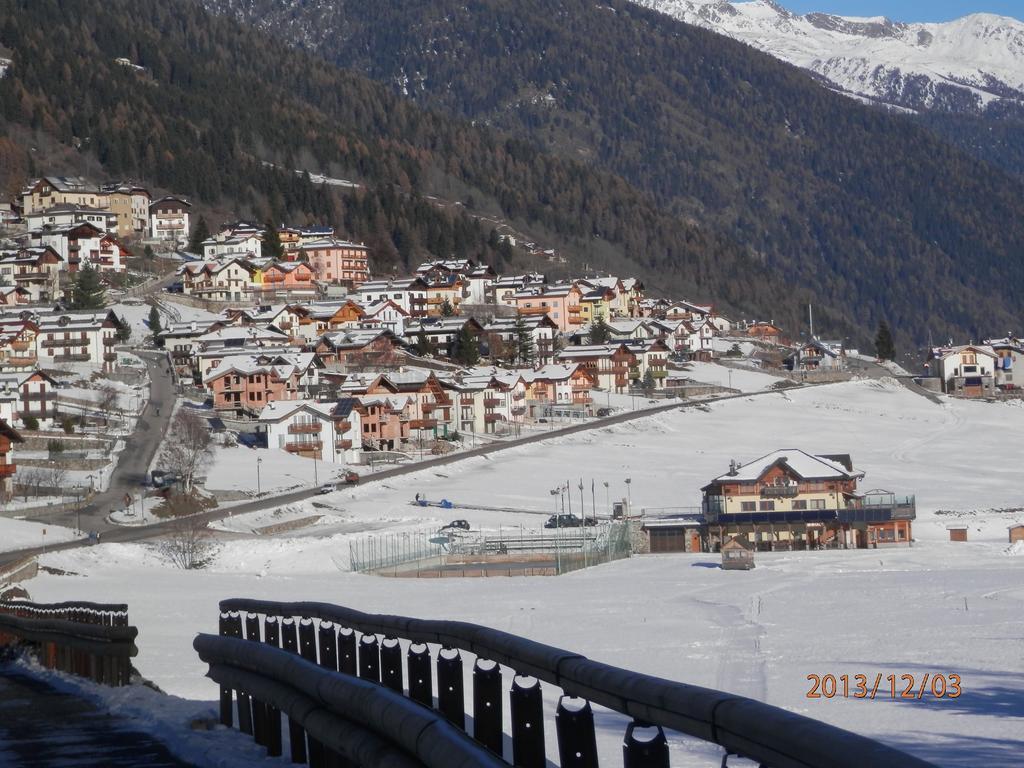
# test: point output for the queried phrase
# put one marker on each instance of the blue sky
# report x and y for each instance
(909, 10)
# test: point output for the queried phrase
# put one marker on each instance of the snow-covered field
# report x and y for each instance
(22, 534)
(734, 378)
(938, 607)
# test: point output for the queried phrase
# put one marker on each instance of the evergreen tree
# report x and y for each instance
(124, 331)
(524, 348)
(272, 247)
(885, 349)
(86, 290)
(200, 232)
(648, 382)
(467, 348)
(424, 346)
(447, 310)
(154, 321)
(599, 331)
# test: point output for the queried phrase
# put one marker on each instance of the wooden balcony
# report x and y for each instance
(65, 343)
(71, 359)
(22, 360)
(423, 424)
(307, 446)
(109, 341)
(466, 400)
(305, 428)
(493, 402)
(343, 445)
(110, 356)
(428, 407)
(490, 418)
(8, 470)
(342, 426)
(780, 491)
(21, 344)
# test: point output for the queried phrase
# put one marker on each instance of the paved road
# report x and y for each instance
(41, 727)
(134, 461)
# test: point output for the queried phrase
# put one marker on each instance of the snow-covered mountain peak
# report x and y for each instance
(961, 65)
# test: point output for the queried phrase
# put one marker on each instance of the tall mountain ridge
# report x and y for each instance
(968, 65)
(622, 137)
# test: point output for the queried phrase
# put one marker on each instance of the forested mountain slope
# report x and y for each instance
(710, 169)
(874, 214)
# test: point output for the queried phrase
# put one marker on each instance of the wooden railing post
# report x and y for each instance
(391, 664)
(296, 734)
(652, 753)
(450, 698)
(487, 705)
(527, 705)
(421, 686)
(577, 742)
(226, 702)
(272, 637)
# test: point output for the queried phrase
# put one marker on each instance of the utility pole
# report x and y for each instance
(810, 318)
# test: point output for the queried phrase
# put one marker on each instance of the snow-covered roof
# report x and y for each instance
(802, 464)
(277, 410)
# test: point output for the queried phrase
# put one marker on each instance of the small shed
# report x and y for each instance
(736, 556)
(1017, 532)
(957, 532)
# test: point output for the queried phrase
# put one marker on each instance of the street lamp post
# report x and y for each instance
(259, 460)
(607, 501)
(629, 497)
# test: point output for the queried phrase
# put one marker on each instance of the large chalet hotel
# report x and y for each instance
(789, 499)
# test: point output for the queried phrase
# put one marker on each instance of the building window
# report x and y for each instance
(748, 506)
(767, 506)
(799, 504)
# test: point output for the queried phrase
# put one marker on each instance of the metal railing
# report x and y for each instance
(91, 640)
(567, 549)
(340, 676)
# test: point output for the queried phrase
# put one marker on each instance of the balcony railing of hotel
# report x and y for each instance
(780, 491)
(65, 343)
(659, 374)
(110, 341)
(305, 445)
(7, 470)
(423, 424)
(490, 418)
(304, 428)
(71, 358)
(466, 400)
(343, 445)
(493, 402)
(21, 344)
(22, 360)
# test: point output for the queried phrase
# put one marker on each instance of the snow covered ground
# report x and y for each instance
(21, 534)
(734, 378)
(938, 607)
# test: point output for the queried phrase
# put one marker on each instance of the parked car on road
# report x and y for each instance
(462, 525)
(563, 521)
(328, 488)
(351, 478)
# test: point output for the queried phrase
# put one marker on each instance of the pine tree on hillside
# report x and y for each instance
(154, 321)
(124, 331)
(467, 349)
(884, 347)
(87, 291)
(599, 331)
(272, 247)
(200, 232)
(524, 342)
(447, 310)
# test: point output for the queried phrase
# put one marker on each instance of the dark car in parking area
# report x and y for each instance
(563, 521)
(462, 525)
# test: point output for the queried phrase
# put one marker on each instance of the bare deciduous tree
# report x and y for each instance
(56, 477)
(30, 479)
(186, 446)
(188, 546)
(107, 401)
